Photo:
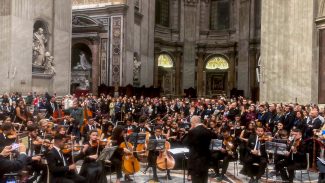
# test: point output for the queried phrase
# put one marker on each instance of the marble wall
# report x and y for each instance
(17, 18)
(289, 68)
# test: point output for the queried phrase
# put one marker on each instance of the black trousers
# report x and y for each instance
(255, 170)
(72, 178)
(291, 167)
(199, 177)
(216, 157)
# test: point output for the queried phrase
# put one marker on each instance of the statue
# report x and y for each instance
(83, 61)
(39, 41)
(84, 84)
(49, 64)
(136, 71)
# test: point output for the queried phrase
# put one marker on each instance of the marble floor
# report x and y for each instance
(177, 176)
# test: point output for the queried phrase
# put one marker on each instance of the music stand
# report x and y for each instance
(281, 149)
(215, 144)
(270, 147)
(105, 156)
(141, 138)
(157, 145)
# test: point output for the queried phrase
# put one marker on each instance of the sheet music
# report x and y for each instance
(179, 150)
(321, 160)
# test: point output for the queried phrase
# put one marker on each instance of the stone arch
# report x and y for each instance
(221, 59)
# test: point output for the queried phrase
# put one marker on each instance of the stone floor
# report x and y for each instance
(177, 176)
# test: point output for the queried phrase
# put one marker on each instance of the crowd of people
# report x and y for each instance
(64, 130)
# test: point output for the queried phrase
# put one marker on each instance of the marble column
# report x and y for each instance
(199, 79)
(95, 66)
(178, 61)
(155, 84)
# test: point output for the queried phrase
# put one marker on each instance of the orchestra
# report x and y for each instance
(117, 132)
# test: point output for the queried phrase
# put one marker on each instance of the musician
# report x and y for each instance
(59, 167)
(33, 148)
(7, 166)
(153, 154)
(51, 107)
(129, 127)
(5, 140)
(198, 140)
(116, 159)
(296, 157)
(227, 153)
(21, 112)
(257, 156)
(244, 136)
(107, 133)
(89, 127)
(91, 169)
(143, 126)
(77, 114)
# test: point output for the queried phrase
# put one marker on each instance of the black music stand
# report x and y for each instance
(280, 148)
(215, 145)
(105, 156)
(157, 145)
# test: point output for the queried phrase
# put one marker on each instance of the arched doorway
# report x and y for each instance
(81, 68)
(216, 75)
(166, 74)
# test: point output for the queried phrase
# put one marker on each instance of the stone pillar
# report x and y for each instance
(199, 79)
(95, 66)
(231, 72)
(155, 76)
(178, 61)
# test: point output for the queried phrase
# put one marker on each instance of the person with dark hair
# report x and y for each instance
(91, 169)
(288, 118)
(153, 154)
(7, 129)
(118, 137)
(295, 157)
(60, 170)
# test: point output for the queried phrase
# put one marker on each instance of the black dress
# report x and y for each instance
(91, 169)
(116, 158)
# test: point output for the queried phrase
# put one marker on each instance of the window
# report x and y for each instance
(162, 12)
(217, 63)
(219, 15)
(165, 61)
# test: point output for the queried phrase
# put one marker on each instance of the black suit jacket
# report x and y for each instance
(288, 120)
(49, 108)
(56, 165)
(251, 145)
(7, 166)
(198, 141)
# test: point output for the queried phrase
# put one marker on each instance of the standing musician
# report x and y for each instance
(296, 157)
(60, 170)
(198, 140)
(153, 154)
(89, 127)
(77, 115)
(116, 159)
(257, 156)
(91, 169)
(226, 153)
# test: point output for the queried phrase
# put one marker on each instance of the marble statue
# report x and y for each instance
(136, 71)
(49, 64)
(39, 47)
(84, 84)
(83, 61)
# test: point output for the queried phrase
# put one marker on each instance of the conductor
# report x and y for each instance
(198, 141)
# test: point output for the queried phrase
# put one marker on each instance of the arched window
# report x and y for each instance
(217, 63)
(165, 61)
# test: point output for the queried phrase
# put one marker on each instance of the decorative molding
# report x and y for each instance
(116, 50)
(190, 2)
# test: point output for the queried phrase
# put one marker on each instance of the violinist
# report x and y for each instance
(108, 133)
(227, 153)
(91, 169)
(256, 158)
(34, 143)
(130, 128)
(51, 107)
(173, 133)
(60, 170)
(89, 127)
(7, 137)
(244, 135)
(143, 126)
(295, 157)
(21, 113)
(153, 154)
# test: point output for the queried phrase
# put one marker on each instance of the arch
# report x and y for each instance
(165, 60)
(84, 20)
(216, 62)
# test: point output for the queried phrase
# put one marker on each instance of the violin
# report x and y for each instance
(12, 134)
(228, 142)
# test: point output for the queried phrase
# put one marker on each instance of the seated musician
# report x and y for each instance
(5, 136)
(7, 166)
(281, 136)
(256, 159)
(143, 126)
(153, 154)
(129, 127)
(91, 169)
(59, 167)
(226, 153)
(116, 159)
(89, 127)
(295, 158)
(108, 132)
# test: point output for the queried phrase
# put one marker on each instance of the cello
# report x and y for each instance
(58, 115)
(130, 163)
(165, 160)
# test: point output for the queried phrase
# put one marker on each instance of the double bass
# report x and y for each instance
(58, 115)
(87, 114)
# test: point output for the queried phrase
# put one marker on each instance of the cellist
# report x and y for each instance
(153, 154)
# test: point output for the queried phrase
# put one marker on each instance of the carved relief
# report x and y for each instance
(190, 2)
(116, 50)
(321, 6)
